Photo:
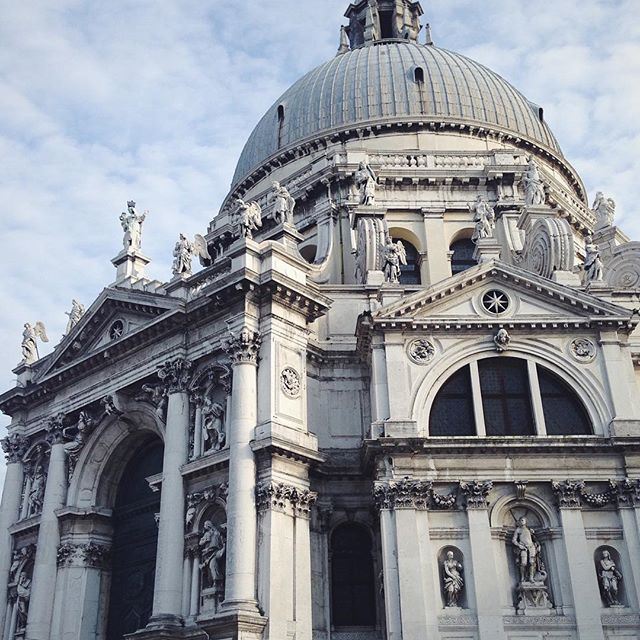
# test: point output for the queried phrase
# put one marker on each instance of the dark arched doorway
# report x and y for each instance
(135, 538)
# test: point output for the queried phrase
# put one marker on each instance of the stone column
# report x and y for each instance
(167, 595)
(45, 564)
(198, 446)
(628, 497)
(584, 583)
(240, 587)
(490, 626)
(15, 447)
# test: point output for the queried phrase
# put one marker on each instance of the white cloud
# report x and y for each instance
(153, 100)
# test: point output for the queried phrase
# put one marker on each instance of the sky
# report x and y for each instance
(152, 100)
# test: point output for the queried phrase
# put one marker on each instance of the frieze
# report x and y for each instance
(15, 447)
(176, 375)
(244, 347)
(568, 493)
(620, 619)
(88, 554)
(284, 498)
(476, 493)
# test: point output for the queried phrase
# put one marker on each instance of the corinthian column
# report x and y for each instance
(45, 564)
(167, 595)
(15, 447)
(240, 589)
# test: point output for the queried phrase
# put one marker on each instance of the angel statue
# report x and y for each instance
(76, 313)
(250, 215)
(285, 204)
(484, 217)
(184, 251)
(29, 341)
(132, 226)
(593, 268)
(366, 181)
(394, 256)
(534, 194)
(605, 210)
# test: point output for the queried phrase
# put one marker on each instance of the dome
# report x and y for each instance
(373, 85)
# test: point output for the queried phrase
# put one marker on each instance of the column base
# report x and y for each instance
(168, 633)
(234, 625)
(230, 607)
(166, 620)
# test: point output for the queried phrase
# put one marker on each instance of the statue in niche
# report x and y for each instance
(366, 181)
(213, 433)
(132, 226)
(610, 579)
(23, 595)
(593, 267)
(36, 491)
(453, 580)
(485, 218)
(527, 551)
(394, 256)
(285, 204)
(213, 546)
(250, 217)
(30, 337)
(75, 315)
(605, 210)
(534, 194)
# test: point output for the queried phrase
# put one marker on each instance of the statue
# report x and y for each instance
(82, 429)
(29, 341)
(75, 315)
(534, 194)
(527, 552)
(284, 206)
(593, 267)
(484, 217)
(394, 255)
(213, 434)
(184, 251)
(502, 340)
(36, 492)
(366, 181)
(605, 210)
(250, 215)
(452, 578)
(23, 595)
(132, 226)
(155, 394)
(610, 579)
(213, 546)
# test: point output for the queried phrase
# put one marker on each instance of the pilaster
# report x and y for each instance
(438, 261)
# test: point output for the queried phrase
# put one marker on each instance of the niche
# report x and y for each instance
(453, 587)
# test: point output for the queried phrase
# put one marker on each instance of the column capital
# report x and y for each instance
(89, 554)
(55, 429)
(285, 498)
(627, 492)
(176, 375)
(244, 347)
(476, 493)
(14, 447)
(403, 494)
(568, 493)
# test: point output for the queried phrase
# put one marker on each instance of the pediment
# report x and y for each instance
(115, 317)
(462, 300)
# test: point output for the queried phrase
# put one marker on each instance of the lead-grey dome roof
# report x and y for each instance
(376, 84)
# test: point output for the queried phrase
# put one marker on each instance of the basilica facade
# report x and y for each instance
(397, 400)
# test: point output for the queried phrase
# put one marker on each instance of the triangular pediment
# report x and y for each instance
(115, 317)
(465, 299)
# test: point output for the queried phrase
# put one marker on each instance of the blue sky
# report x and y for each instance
(152, 100)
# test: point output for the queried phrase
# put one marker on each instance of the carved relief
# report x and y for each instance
(421, 351)
(623, 268)
(502, 340)
(371, 242)
(290, 382)
(548, 247)
(583, 349)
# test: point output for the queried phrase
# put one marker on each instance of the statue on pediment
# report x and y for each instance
(132, 226)
(75, 315)
(605, 210)
(30, 337)
(249, 215)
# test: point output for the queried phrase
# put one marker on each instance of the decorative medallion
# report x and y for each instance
(495, 302)
(290, 382)
(116, 330)
(421, 351)
(582, 349)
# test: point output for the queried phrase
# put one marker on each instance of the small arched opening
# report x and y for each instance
(135, 539)
(352, 577)
(280, 124)
(462, 251)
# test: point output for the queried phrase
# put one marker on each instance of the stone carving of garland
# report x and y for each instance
(411, 494)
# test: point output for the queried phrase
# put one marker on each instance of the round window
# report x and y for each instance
(495, 301)
(117, 330)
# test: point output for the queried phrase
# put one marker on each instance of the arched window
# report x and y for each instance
(352, 577)
(410, 273)
(452, 411)
(418, 74)
(564, 414)
(462, 257)
(503, 396)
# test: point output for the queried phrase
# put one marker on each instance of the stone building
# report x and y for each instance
(399, 400)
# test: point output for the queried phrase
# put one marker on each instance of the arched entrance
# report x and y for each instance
(135, 538)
